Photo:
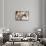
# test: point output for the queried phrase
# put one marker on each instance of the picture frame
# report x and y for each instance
(22, 15)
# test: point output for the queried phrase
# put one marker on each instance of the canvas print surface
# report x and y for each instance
(22, 15)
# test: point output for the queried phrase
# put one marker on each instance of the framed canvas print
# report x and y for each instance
(21, 15)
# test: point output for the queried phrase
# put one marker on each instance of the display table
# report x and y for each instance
(26, 43)
(22, 40)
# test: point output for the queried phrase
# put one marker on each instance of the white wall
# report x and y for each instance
(44, 12)
(35, 15)
(44, 17)
(1, 15)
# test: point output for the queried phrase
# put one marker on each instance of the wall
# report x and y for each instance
(44, 17)
(1, 15)
(35, 15)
